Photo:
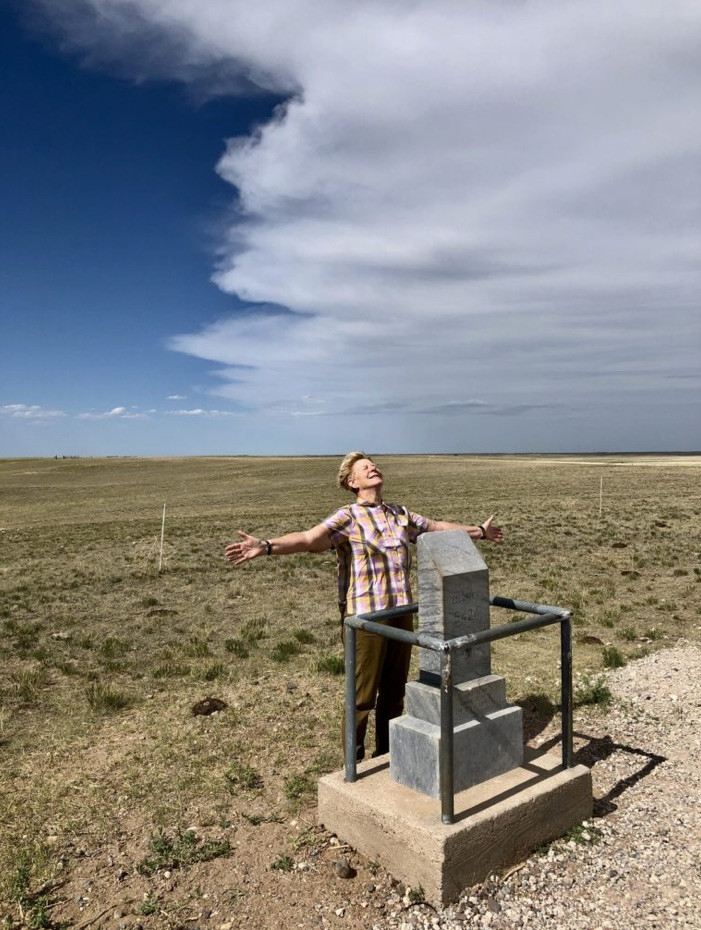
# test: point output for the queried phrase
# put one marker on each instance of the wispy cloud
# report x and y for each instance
(176, 397)
(467, 207)
(199, 412)
(117, 413)
(30, 412)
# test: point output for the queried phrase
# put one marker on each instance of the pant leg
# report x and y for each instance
(391, 685)
(369, 661)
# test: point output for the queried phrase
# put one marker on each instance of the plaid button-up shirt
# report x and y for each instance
(372, 543)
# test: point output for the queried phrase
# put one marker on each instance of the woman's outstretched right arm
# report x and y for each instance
(316, 539)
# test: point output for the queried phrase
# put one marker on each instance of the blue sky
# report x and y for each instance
(298, 229)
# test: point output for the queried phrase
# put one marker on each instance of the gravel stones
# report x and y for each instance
(637, 864)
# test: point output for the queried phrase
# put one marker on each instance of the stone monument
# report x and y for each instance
(506, 803)
(487, 733)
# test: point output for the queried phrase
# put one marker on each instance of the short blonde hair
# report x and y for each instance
(344, 472)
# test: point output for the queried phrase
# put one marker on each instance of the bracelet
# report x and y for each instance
(268, 546)
(484, 532)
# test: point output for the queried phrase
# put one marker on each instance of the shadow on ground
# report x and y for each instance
(598, 748)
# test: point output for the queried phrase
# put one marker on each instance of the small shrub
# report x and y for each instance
(304, 637)
(332, 665)
(254, 630)
(106, 700)
(417, 895)
(584, 834)
(240, 775)
(149, 602)
(27, 685)
(608, 618)
(196, 647)
(653, 633)
(183, 849)
(629, 633)
(284, 651)
(237, 647)
(213, 672)
(594, 692)
(613, 658)
(282, 864)
(150, 905)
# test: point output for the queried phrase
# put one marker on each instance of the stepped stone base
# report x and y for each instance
(498, 822)
(487, 736)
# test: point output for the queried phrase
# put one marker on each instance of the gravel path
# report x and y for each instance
(637, 863)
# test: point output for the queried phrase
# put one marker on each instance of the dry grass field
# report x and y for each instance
(104, 766)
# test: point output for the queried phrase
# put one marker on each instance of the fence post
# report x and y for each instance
(445, 765)
(566, 689)
(349, 735)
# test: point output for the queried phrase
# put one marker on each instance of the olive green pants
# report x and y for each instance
(381, 671)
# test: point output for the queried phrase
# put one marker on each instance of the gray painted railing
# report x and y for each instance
(369, 622)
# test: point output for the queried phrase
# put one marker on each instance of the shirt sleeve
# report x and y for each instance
(338, 525)
(417, 525)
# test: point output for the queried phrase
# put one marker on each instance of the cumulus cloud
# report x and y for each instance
(29, 412)
(461, 206)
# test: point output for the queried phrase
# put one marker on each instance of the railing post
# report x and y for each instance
(349, 717)
(566, 689)
(445, 764)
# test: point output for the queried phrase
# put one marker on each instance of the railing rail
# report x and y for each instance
(544, 615)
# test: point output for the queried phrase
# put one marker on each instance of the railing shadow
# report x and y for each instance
(597, 749)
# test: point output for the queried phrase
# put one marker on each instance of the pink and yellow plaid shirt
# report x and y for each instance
(372, 542)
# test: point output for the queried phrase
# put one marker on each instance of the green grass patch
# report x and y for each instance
(284, 651)
(592, 692)
(331, 665)
(184, 848)
(240, 776)
(106, 700)
(282, 864)
(237, 647)
(298, 786)
(613, 657)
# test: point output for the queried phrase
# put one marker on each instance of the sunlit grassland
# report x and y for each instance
(103, 656)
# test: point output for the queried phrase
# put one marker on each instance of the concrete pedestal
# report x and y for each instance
(498, 822)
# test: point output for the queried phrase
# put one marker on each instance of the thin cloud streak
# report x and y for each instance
(117, 413)
(470, 207)
(199, 412)
(29, 412)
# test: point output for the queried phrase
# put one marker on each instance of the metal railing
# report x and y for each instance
(545, 615)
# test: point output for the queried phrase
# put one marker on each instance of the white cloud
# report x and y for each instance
(176, 397)
(117, 413)
(29, 412)
(199, 412)
(468, 206)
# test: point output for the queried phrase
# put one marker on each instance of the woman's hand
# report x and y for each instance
(493, 533)
(250, 547)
